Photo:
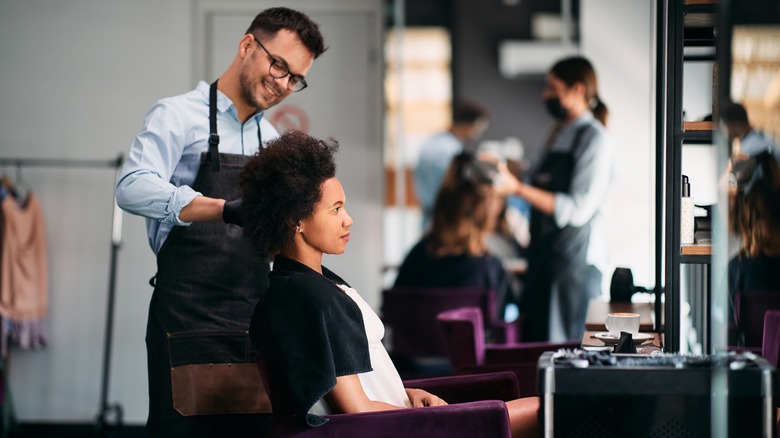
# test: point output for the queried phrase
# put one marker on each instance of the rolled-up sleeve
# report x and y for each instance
(143, 187)
(591, 178)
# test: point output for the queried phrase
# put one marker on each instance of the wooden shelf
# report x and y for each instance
(696, 249)
(699, 126)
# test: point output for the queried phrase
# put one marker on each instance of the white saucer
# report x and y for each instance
(606, 338)
(593, 348)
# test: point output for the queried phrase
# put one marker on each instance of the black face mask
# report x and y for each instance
(555, 109)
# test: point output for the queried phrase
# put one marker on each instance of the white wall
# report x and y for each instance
(77, 79)
(618, 37)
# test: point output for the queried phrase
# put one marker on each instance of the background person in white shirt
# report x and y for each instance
(745, 140)
(469, 122)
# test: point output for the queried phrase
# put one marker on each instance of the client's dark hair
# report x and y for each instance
(464, 212)
(281, 185)
(754, 213)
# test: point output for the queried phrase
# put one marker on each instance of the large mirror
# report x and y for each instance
(747, 256)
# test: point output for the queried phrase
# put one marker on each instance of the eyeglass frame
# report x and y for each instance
(282, 66)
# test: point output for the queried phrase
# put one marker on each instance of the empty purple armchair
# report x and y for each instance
(470, 354)
(410, 315)
(770, 344)
(749, 309)
(468, 418)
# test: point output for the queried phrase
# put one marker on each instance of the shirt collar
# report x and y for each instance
(585, 117)
(224, 104)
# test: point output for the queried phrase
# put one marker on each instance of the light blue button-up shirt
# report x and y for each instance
(164, 158)
(435, 157)
(755, 142)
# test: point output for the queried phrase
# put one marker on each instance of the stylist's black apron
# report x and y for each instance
(201, 362)
(556, 256)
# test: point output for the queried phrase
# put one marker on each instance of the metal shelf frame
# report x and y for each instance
(675, 20)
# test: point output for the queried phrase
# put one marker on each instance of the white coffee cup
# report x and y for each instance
(622, 322)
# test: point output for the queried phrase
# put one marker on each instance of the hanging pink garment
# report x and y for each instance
(24, 275)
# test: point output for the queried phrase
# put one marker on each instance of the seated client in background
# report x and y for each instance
(311, 327)
(754, 209)
(454, 253)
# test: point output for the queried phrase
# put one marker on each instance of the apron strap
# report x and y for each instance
(213, 136)
(577, 142)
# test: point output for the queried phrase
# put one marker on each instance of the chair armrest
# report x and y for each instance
(525, 372)
(501, 385)
(504, 332)
(484, 418)
(524, 352)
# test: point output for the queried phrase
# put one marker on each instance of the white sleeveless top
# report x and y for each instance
(383, 383)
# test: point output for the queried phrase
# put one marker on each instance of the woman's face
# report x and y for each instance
(563, 101)
(327, 230)
(554, 87)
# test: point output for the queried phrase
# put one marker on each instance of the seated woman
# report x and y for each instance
(755, 219)
(322, 342)
(454, 252)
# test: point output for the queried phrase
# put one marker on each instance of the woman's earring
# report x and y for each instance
(298, 229)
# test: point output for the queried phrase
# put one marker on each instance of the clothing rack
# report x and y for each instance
(116, 239)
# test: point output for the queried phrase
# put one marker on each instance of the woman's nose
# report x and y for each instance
(347, 220)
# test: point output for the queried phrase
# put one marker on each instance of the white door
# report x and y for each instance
(343, 101)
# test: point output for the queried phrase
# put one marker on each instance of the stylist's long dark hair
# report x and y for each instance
(578, 69)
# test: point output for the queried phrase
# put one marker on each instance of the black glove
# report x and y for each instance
(233, 212)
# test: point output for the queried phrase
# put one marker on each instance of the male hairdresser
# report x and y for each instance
(182, 176)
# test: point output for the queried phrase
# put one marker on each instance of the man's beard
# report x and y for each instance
(247, 90)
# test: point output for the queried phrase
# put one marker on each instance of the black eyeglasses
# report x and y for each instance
(279, 70)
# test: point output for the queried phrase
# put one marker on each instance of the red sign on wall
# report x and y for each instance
(289, 118)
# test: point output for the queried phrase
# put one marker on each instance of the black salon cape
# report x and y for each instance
(309, 332)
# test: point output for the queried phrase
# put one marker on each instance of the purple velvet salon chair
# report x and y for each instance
(409, 314)
(476, 409)
(749, 309)
(770, 344)
(470, 354)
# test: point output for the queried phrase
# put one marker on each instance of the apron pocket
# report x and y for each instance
(214, 372)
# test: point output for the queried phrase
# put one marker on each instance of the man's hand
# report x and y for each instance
(420, 398)
(232, 212)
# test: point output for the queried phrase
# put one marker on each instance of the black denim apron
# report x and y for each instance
(201, 362)
(555, 255)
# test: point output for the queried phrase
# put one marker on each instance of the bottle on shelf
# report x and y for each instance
(686, 213)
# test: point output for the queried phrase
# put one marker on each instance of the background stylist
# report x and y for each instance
(568, 187)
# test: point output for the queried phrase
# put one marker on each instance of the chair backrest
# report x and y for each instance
(750, 307)
(464, 336)
(281, 404)
(770, 347)
(410, 315)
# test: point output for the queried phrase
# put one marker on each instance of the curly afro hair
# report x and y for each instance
(281, 185)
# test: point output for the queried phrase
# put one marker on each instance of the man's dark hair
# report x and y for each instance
(734, 113)
(468, 111)
(272, 20)
(281, 185)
